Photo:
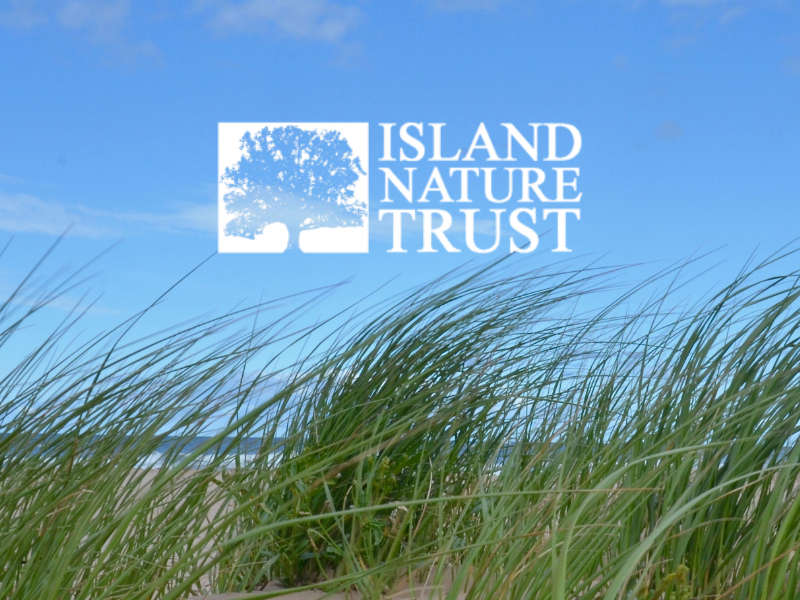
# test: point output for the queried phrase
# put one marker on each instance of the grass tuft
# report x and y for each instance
(548, 434)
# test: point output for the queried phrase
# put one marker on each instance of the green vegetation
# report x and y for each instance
(488, 429)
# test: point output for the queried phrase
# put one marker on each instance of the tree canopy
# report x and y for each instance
(302, 178)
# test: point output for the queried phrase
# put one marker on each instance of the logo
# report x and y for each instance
(304, 187)
(290, 186)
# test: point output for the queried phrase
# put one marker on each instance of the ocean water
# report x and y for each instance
(175, 449)
(243, 451)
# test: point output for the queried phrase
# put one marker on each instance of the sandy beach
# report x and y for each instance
(318, 594)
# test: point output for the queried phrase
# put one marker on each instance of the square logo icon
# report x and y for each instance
(293, 187)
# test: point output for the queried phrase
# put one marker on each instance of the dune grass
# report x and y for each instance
(494, 430)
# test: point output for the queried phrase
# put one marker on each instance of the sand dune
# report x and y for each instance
(402, 593)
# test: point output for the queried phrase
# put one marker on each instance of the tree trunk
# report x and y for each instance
(294, 236)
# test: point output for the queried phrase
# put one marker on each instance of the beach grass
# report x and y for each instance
(549, 434)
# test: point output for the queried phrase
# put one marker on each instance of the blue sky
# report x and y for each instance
(109, 110)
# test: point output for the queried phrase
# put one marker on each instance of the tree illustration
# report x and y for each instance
(303, 179)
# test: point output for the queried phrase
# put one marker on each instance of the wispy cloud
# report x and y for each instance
(464, 5)
(669, 130)
(22, 14)
(732, 14)
(102, 22)
(621, 63)
(66, 302)
(24, 213)
(791, 65)
(726, 11)
(682, 40)
(11, 179)
(699, 3)
(321, 20)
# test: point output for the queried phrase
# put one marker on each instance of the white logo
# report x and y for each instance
(286, 186)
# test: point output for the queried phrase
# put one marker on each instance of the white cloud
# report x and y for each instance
(669, 130)
(22, 14)
(457, 5)
(732, 14)
(621, 62)
(66, 302)
(102, 18)
(321, 20)
(187, 217)
(728, 10)
(791, 64)
(700, 3)
(10, 179)
(103, 22)
(24, 213)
